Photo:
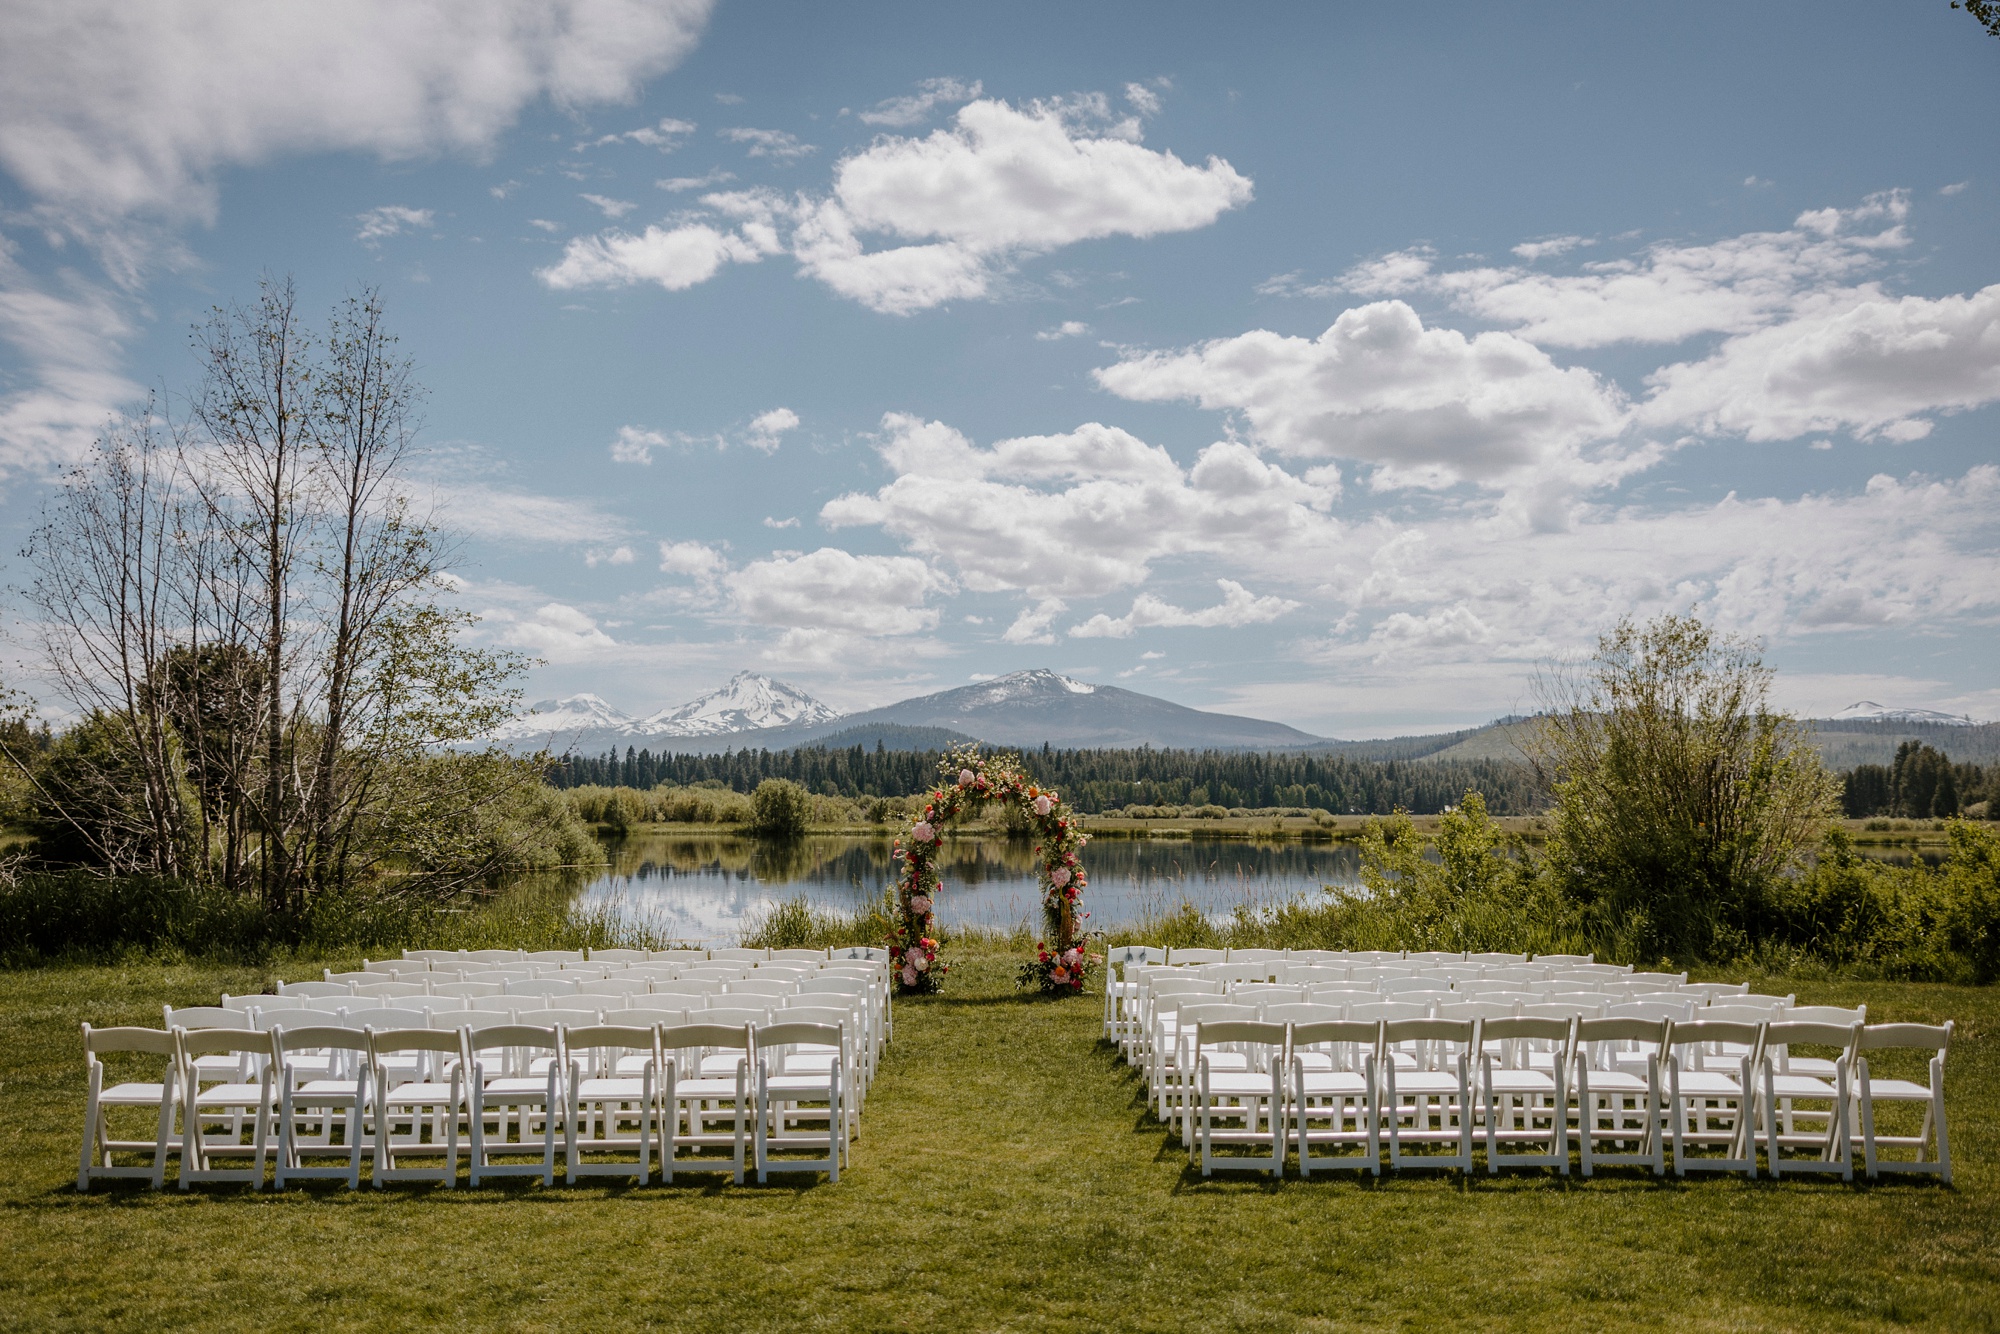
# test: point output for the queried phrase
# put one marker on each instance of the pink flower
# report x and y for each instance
(1059, 975)
(923, 833)
(909, 975)
(920, 904)
(965, 777)
(1060, 876)
(1043, 805)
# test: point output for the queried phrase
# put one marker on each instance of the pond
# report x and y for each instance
(709, 888)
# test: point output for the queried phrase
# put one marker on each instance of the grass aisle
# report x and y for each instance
(1007, 1177)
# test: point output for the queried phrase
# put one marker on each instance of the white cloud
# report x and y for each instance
(772, 522)
(109, 109)
(1666, 294)
(635, 444)
(768, 428)
(665, 136)
(1429, 407)
(545, 224)
(774, 144)
(1865, 363)
(1082, 512)
(506, 515)
(696, 560)
(616, 556)
(611, 208)
(1142, 99)
(71, 343)
(1032, 625)
(832, 589)
(1067, 329)
(914, 108)
(675, 258)
(1957, 187)
(965, 202)
(555, 630)
(1552, 246)
(1239, 607)
(378, 224)
(680, 184)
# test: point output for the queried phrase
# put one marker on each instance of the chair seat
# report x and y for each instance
(230, 1095)
(328, 1088)
(1822, 1066)
(611, 1089)
(1709, 1084)
(714, 1067)
(1901, 1090)
(1425, 1081)
(501, 1090)
(1334, 1084)
(418, 1095)
(1616, 1081)
(707, 1087)
(1522, 1081)
(1234, 1084)
(801, 1085)
(132, 1095)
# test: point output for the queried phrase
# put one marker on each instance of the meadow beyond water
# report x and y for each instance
(709, 888)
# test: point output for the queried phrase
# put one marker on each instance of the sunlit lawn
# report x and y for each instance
(1007, 1177)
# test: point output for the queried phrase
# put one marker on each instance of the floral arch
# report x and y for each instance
(967, 782)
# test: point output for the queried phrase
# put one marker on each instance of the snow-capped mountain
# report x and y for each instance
(564, 718)
(585, 722)
(1868, 711)
(748, 701)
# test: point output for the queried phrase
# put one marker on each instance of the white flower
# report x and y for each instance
(923, 833)
(1043, 805)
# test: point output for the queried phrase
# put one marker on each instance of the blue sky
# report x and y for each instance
(1330, 364)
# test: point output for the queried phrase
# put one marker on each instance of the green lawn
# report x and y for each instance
(1007, 1177)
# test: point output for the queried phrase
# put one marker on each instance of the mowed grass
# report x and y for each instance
(1007, 1177)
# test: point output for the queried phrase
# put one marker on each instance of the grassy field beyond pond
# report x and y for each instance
(1007, 1176)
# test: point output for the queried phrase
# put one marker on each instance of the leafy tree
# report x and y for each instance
(1985, 12)
(780, 808)
(1681, 797)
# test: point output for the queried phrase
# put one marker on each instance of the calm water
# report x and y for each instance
(710, 888)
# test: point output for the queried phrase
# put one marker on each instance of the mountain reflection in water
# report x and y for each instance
(708, 888)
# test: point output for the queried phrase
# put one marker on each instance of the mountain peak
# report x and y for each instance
(748, 700)
(1868, 711)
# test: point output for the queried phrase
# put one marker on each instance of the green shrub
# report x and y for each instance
(780, 808)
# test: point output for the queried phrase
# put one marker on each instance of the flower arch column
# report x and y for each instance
(968, 782)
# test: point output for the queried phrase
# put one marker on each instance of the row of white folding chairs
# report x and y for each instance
(1127, 1013)
(451, 1012)
(430, 977)
(1159, 1050)
(433, 958)
(608, 1088)
(1177, 956)
(1428, 1089)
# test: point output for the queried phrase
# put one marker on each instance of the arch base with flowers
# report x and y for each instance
(967, 782)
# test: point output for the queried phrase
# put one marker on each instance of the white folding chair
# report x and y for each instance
(1179, 958)
(1616, 1105)
(1712, 1094)
(797, 1084)
(692, 1098)
(814, 957)
(1175, 1068)
(1525, 1100)
(213, 1119)
(618, 956)
(1333, 1094)
(99, 1140)
(1429, 1100)
(1821, 1130)
(1119, 963)
(543, 987)
(501, 1087)
(744, 955)
(312, 1098)
(1819, 1014)
(1239, 1100)
(611, 1108)
(417, 1113)
(553, 956)
(1931, 1141)
(212, 1065)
